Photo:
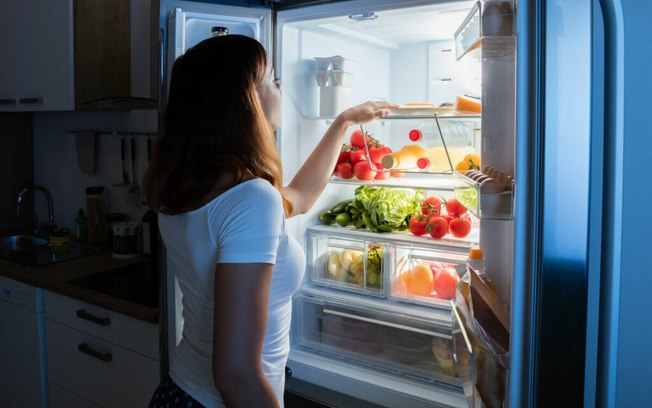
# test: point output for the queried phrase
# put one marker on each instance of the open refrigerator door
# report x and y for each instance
(373, 318)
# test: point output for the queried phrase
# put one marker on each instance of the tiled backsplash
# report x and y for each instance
(15, 169)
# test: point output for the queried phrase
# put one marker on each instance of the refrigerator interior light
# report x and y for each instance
(367, 15)
(360, 36)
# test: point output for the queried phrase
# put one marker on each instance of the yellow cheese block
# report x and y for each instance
(464, 104)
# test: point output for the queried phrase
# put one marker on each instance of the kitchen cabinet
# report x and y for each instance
(66, 54)
(36, 73)
(22, 351)
(97, 357)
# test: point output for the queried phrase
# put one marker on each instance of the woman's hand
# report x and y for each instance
(366, 112)
(310, 180)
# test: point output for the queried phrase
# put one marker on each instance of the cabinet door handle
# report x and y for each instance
(83, 347)
(102, 321)
(8, 101)
(34, 100)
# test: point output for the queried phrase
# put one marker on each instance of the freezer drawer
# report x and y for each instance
(405, 344)
(426, 275)
(348, 263)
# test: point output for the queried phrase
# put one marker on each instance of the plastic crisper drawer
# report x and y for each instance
(426, 275)
(402, 340)
(345, 262)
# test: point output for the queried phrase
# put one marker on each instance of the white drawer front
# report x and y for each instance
(98, 371)
(113, 327)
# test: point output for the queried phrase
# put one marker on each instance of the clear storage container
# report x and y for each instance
(426, 275)
(422, 144)
(345, 262)
(405, 341)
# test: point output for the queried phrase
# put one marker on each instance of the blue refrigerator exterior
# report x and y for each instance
(579, 298)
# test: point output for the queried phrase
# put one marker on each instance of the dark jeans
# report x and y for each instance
(169, 395)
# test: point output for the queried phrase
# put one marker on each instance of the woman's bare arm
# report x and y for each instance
(310, 180)
(240, 317)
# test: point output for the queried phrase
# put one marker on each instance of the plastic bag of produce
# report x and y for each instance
(485, 321)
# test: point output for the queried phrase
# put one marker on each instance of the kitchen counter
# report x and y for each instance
(55, 277)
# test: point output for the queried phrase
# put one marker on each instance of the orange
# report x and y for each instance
(473, 161)
(462, 166)
(420, 280)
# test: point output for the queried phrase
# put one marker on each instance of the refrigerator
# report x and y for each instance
(562, 239)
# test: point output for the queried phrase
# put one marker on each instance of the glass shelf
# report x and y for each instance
(438, 182)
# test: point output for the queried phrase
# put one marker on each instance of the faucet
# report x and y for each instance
(39, 227)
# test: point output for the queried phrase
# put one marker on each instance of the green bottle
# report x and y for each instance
(82, 226)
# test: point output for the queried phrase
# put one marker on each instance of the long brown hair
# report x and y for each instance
(214, 125)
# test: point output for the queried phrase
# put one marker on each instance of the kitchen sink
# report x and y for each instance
(32, 251)
(20, 242)
(136, 283)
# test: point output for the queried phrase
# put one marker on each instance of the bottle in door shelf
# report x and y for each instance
(432, 159)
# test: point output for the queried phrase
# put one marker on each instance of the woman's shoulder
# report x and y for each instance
(258, 188)
(255, 193)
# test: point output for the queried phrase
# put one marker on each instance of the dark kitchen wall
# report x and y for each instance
(15, 169)
(56, 164)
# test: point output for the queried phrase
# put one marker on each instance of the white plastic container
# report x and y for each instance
(342, 64)
(322, 77)
(333, 100)
(323, 63)
(340, 78)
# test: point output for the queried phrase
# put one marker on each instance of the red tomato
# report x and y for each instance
(357, 139)
(357, 156)
(459, 227)
(376, 153)
(363, 171)
(344, 170)
(381, 175)
(431, 205)
(445, 283)
(447, 217)
(418, 224)
(343, 157)
(454, 208)
(437, 226)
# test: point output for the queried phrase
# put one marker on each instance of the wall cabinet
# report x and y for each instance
(61, 55)
(36, 73)
(97, 357)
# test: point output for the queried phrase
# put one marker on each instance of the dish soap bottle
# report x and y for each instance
(82, 226)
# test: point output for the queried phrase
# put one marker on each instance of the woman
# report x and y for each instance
(215, 180)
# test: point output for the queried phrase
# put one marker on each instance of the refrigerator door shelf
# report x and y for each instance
(401, 344)
(488, 26)
(490, 197)
(474, 363)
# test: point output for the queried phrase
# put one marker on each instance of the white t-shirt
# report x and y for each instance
(245, 224)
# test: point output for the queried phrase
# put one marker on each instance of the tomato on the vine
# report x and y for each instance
(358, 139)
(356, 156)
(431, 205)
(454, 208)
(363, 171)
